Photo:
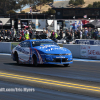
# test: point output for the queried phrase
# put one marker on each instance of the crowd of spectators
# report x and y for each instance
(83, 34)
(20, 35)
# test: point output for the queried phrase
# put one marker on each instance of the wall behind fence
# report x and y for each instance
(75, 49)
(6, 47)
(78, 51)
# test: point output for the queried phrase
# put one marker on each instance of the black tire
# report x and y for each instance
(35, 61)
(66, 65)
(17, 59)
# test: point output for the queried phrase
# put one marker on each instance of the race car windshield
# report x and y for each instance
(39, 43)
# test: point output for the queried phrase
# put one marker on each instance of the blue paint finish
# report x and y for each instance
(50, 50)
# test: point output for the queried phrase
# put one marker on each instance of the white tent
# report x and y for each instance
(5, 21)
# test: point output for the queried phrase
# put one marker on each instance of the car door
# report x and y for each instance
(25, 52)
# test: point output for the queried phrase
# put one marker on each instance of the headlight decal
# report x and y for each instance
(59, 54)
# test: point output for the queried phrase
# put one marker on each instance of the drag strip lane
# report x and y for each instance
(90, 90)
(79, 78)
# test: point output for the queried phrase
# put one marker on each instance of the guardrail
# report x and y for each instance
(78, 50)
(6, 47)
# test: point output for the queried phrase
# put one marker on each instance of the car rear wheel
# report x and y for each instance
(66, 65)
(35, 61)
(17, 59)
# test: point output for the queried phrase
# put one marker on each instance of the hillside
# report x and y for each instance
(87, 2)
(58, 4)
(43, 8)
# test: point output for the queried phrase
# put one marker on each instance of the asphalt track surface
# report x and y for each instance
(79, 81)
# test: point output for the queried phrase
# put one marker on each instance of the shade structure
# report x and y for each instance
(98, 25)
(94, 24)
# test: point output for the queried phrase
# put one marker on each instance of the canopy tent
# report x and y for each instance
(5, 21)
(94, 24)
(98, 25)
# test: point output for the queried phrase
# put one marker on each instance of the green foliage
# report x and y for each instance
(50, 11)
(90, 6)
(95, 5)
(71, 2)
(20, 4)
(22, 11)
(7, 5)
(11, 12)
(76, 2)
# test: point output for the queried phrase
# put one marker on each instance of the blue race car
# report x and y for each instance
(41, 51)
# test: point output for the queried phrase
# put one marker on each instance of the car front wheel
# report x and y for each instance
(66, 65)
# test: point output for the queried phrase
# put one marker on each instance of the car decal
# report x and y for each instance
(29, 60)
(31, 56)
(22, 50)
(23, 61)
(39, 56)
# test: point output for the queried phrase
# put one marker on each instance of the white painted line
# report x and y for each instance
(86, 60)
(5, 54)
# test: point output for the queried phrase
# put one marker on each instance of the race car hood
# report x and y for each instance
(52, 49)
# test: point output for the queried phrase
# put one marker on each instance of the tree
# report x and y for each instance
(71, 2)
(22, 11)
(6, 5)
(95, 5)
(50, 11)
(11, 12)
(79, 2)
(76, 2)
(89, 6)
(20, 4)
(82, 2)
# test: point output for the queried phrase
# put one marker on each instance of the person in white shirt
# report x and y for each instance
(80, 34)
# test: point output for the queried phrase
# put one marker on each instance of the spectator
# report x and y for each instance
(57, 32)
(96, 34)
(30, 34)
(52, 34)
(76, 35)
(69, 37)
(49, 34)
(80, 34)
(85, 33)
(66, 33)
(27, 36)
(56, 35)
(61, 34)
(99, 35)
(8, 33)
